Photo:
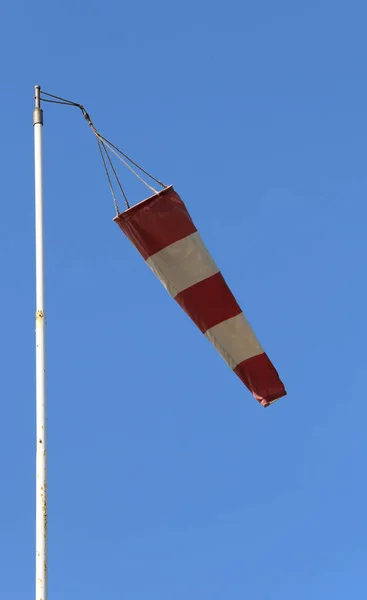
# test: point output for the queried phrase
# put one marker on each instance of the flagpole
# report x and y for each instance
(41, 447)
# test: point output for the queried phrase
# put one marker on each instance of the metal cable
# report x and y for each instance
(57, 102)
(115, 174)
(124, 161)
(108, 177)
(134, 163)
(103, 144)
(59, 98)
(103, 138)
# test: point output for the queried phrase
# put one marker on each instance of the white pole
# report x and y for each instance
(41, 451)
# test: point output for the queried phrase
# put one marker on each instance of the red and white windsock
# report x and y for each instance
(165, 235)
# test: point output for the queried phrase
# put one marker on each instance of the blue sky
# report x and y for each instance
(167, 479)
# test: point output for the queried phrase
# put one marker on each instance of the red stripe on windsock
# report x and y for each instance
(260, 376)
(209, 302)
(156, 222)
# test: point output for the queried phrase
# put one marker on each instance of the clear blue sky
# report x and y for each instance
(167, 479)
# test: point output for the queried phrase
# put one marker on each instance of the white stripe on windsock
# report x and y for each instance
(183, 264)
(235, 340)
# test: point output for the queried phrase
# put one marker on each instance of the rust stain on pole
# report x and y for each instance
(44, 508)
(39, 317)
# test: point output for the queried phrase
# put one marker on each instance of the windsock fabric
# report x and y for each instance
(163, 232)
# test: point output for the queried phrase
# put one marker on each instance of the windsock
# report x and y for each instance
(163, 232)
